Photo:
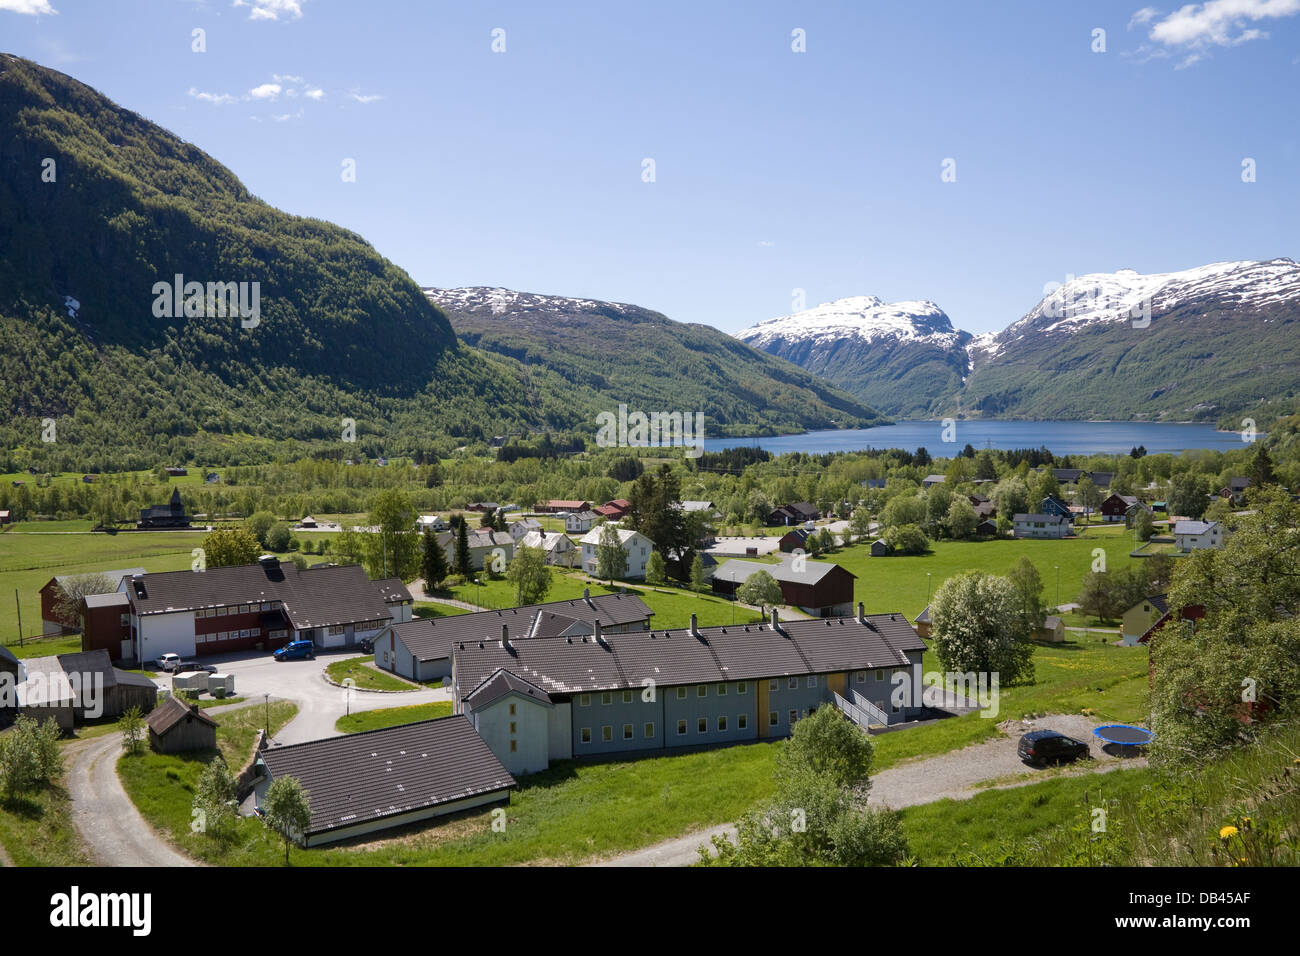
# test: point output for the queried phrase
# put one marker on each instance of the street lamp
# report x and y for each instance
(268, 713)
(1058, 586)
(927, 587)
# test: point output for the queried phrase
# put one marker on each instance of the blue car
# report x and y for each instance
(296, 651)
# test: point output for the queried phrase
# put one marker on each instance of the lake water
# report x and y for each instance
(1063, 438)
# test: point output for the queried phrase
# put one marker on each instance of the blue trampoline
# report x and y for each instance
(1123, 735)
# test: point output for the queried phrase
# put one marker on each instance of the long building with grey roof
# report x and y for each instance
(592, 694)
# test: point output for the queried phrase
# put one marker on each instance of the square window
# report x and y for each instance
(627, 731)
(793, 683)
(742, 688)
(627, 697)
(681, 728)
(812, 680)
(773, 718)
(584, 700)
(702, 725)
(742, 721)
(893, 707)
(773, 684)
(722, 723)
(681, 693)
(607, 733)
(512, 709)
(722, 690)
(794, 717)
(607, 699)
(702, 690)
(861, 677)
(222, 612)
(880, 674)
(649, 730)
(586, 735)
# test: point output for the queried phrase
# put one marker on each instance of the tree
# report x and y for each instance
(697, 573)
(1089, 494)
(73, 590)
(287, 811)
(463, 564)
(30, 756)
(1097, 596)
(626, 469)
(937, 502)
(655, 511)
(760, 589)
(1028, 586)
(903, 509)
(611, 556)
(433, 560)
(921, 458)
(215, 796)
(906, 539)
(1143, 524)
(131, 726)
(230, 547)
(961, 519)
(654, 568)
(1011, 496)
(399, 547)
(1260, 470)
(259, 525)
(826, 743)
(529, 574)
(279, 537)
(977, 625)
(758, 506)
(985, 470)
(859, 526)
(1187, 496)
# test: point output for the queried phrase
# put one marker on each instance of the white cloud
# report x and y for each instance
(267, 91)
(32, 7)
(1143, 16)
(272, 9)
(766, 244)
(1197, 27)
(216, 99)
(283, 117)
(314, 94)
(364, 98)
(286, 78)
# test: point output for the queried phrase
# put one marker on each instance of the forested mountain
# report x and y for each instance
(612, 352)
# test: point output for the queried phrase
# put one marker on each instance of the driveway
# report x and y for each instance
(108, 821)
(924, 780)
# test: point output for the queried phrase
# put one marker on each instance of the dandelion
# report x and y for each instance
(1228, 832)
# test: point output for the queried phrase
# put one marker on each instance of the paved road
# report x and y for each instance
(951, 775)
(109, 823)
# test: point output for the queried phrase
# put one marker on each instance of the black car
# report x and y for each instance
(366, 645)
(1048, 746)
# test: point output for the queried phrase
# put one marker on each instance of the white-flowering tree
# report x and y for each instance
(976, 625)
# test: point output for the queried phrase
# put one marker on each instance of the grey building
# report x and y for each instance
(605, 693)
(1040, 526)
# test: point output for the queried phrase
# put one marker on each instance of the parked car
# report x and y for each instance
(296, 651)
(168, 662)
(175, 664)
(367, 645)
(1048, 746)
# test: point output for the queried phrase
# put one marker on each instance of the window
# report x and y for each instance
(773, 684)
(861, 677)
(722, 723)
(513, 727)
(773, 718)
(584, 700)
(702, 690)
(627, 731)
(607, 733)
(893, 707)
(627, 697)
(586, 735)
(244, 632)
(794, 683)
(722, 690)
(812, 681)
(222, 612)
(514, 746)
(606, 699)
(385, 657)
(266, 605)
(681, 693)
(337, 630)
(742, 721)
(243, 609)
(742, 688)
(794, 717)
(254, 632)
(702, 725)
(880, 674)
(649, 730)
(512, 710)
(681, 728)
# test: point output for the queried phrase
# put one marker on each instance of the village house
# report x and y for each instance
(11, 675)
(263, 605)
(922, 623)
(168, 517)
(1235, 490)
(580, 522)
(524, 526)
(1138, 619)
(1040, 526)
(431, 522)
(1197, 535)
(1052, 505)
(637, 545)
(880, 548)
(929, 481)
(73, 687)
(53, 621)
(558, 698)
(1120, 507)
(420, 650)
(794, 513)
(796, 539)
(559, 505)
(378, 779)
(176, 727)
(558, 548)
(820, 588)
(484, 545)
(613, 510)
(1052, 631)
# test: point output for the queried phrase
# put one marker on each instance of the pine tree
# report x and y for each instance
(463, 560)
(433, 564)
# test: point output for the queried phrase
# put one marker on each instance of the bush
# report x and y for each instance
(30, 756)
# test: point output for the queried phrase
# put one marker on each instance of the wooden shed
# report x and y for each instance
(175, 727)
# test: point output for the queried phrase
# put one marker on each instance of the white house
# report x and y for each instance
(434, 522)
(1197, 535)
(524, 526)
(638, 548)
(1040, 526)
(579, 522)
(559, 548)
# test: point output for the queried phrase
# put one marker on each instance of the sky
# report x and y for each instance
(716, 162)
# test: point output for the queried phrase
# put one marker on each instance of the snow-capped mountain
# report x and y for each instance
(1196, 343)
(904, 358)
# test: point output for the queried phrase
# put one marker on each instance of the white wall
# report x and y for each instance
(166, 634)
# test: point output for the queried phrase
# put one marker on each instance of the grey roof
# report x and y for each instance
(935, 479)
(431, 638)
(393, 590)
(502, 683)
(738, 571)
(45, 677)
(1041, 517)
(625, 661)
(314, 597)
(115, 575)
(365, 777)
(112, 599)
(924, 615)
(171, 712)
(1193, 527)
(1159, 601)
(697, 506)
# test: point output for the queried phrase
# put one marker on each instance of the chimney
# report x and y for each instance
(586, 593)
(776, 622)
(862, 613)
(695, 626)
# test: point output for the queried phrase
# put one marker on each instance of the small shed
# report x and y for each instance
(880, 548)
(175, 727)
(1053, 630)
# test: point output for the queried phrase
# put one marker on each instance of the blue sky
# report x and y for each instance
(774, 170)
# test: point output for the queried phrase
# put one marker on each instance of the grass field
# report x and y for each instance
(433, 609)
(37, 830)
(363, 674)
(391, 717)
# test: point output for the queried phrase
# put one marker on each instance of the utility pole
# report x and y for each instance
(18, 605)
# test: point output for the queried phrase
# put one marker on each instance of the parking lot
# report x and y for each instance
(320, 704)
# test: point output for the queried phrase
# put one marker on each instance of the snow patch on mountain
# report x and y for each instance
(507, 301)
(862, 317)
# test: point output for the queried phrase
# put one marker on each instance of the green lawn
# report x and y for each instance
(497, 592)
(433, 609)
(365, 675)
(391, 717)
(37, 830)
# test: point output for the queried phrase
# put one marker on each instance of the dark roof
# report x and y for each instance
(501, 683)
(359, 778)
(569, 665)
(431, 638)
(739, 571)
(313, 597)
(1053, 518)
(392, 590)
(800, 533)
(1158, 601)
(171, 712)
